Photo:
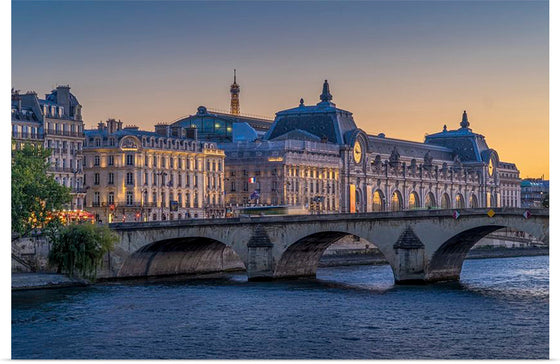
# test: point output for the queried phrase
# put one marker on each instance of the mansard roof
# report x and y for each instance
(407, 149)
(53, 100)
(469, 146)
(323, 120)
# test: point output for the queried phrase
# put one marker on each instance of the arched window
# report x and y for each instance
(378, 201)
(459, 201)
(413, 200)
(445, 202)
(473, 201)
(430, 201)
(396, 201)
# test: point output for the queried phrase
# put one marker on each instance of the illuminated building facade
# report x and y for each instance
(135, 175)
(56, 123)
(316, 156)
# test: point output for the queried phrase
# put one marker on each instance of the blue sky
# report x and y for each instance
(402, 67)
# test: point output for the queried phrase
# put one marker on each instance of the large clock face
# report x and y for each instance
(491, 167)
(357, 152)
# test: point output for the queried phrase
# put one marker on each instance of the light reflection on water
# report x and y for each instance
(499, 309)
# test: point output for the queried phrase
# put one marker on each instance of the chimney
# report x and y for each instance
(16, 97)
(112, 125)
(63, 99)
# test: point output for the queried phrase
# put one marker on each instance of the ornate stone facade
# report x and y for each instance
(305, 146)
(56, 123)
(134, 175)
(283, 172)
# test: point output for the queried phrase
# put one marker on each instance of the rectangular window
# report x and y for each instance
(111, 198)
(129, 198)
(146, 161)
(96, 161)
(146, 178)
(96, 179)
(179, 180)
(111, 178)
(179, 163)
(96, 199)
(129, 178)
(232, 186)
(110, 160)
(129, 159)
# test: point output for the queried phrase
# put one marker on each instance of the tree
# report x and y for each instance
(80, 248)
(545, 200)
(35, 194)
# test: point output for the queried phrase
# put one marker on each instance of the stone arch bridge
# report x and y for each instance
(421, 245)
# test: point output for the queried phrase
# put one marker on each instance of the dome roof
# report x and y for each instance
(324, 120)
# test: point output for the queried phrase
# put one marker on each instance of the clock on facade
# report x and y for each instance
(357, 152)
(491, 168)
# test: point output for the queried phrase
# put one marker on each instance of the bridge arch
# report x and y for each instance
(187, 255)
(447, 261)
(301, 258)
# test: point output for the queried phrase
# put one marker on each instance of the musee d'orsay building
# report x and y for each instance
(316, 157)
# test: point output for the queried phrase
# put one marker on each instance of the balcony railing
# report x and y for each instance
(75, 134)
(65, 169)
(34, 136)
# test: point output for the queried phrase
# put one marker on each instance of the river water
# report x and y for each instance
(499, 310)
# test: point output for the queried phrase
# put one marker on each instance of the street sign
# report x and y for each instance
(491, 213)
(456, 214)
(526, 214)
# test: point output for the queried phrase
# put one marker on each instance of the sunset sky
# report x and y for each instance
(403, 68)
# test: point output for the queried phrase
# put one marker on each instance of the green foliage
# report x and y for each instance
(545, 201)
(80, 248)
(34, 193)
